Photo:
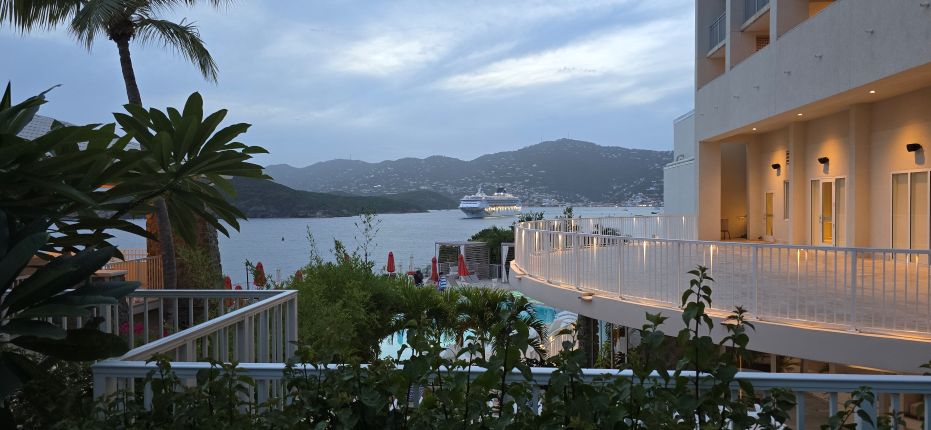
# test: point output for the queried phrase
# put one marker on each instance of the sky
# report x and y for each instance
(378, 80)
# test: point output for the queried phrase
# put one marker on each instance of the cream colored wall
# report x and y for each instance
(889, 124)
(895, 123)
(825, 137)
(847, 45)
(679, 189)
(773, 146)
(734, 188)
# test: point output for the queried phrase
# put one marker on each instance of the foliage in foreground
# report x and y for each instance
(455, 395)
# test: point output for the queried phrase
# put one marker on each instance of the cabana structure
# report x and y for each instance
(476, 256)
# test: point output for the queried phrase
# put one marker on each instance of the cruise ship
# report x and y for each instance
(480, 205)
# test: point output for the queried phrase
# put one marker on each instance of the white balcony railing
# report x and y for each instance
(269, 384)
(247, 326)
(863, 289)
(257, 329)
(751, 7)
(717, 31)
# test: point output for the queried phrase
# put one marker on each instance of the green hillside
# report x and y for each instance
(267, 199)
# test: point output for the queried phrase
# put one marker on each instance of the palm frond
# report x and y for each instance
(32, 15)
(96, 16)
(184, 37)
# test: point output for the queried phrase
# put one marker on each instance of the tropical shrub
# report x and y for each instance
(433, 390)
(62, 194)
(49, 203)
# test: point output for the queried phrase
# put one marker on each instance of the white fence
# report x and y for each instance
(876, 290)
(269, 378)
(247, 326)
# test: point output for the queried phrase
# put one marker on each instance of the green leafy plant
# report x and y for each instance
(189, 162)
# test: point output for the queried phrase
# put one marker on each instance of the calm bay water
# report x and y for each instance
(281, 243)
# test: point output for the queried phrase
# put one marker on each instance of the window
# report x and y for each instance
(785, 200)
(769, 215)
(910, 210)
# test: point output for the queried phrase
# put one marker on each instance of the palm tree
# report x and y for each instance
(123, 21)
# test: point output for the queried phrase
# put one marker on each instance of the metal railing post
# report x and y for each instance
(756, 281)
(263, 338)
(853, 290)
(576, 248)
(291, 328)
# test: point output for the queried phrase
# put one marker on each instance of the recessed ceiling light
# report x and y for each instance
(754, 128)
(799, 114)
(872, 91)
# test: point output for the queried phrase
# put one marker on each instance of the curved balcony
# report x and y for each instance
(841, 301)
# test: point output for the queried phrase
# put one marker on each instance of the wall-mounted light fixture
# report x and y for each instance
(913, 147)
(775, 166)
(823, 160)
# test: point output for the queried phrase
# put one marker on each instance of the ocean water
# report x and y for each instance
(282, 246)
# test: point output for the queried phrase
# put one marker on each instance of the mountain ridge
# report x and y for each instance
(563, 171)
(268, 199)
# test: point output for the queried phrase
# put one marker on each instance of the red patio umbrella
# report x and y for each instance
(463, 270)
(227, 283)
(434, 273)
(390, 267)
(259, 280)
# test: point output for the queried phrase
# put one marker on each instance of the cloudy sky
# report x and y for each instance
(383, 80)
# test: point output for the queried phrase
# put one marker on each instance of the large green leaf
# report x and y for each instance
(55, 310)
(30, 327)
(58, 275)
(18, 256)
(77, 345)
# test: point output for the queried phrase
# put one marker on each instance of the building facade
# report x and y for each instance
(800, 180)
(811, 123)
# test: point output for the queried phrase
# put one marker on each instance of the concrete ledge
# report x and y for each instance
(888, 352)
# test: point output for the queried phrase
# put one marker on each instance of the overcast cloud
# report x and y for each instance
(384, 80)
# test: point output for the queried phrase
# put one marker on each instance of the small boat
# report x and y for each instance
(481, 205)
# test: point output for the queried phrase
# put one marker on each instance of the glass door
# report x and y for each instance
(910, 210)
(828, 211)
(768, 212)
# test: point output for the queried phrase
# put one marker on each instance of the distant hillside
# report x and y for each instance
(426, 199)
(554, 172)
(266, 199)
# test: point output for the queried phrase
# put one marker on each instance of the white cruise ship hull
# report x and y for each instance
(487, 212)
(481, 205)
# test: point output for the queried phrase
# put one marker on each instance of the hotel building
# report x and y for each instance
(801, 179)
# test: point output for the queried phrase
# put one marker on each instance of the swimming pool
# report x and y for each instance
(392, 344)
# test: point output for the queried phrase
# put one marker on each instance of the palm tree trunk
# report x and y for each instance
(166, 246)
(129, 76)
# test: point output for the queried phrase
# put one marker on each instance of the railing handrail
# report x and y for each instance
(752, 7)
(714, 38)
(206, 294)
(769, 245)
(798, 382)
(180, 338)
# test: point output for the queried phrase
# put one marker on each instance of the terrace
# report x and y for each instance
(258, 328)
(854, 299)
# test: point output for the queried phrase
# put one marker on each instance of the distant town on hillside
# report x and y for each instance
(551, 173)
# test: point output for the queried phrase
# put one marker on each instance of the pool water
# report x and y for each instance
(391, 345)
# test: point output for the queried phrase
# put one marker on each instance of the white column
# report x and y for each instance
(858, 182)
(798, 223)
(709, 191)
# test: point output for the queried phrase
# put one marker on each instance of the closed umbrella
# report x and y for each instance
(434, 273)
(228, 284)
(463, 270)
(259, 280)
(390, 267)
